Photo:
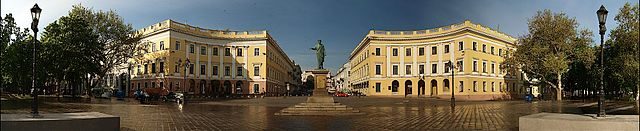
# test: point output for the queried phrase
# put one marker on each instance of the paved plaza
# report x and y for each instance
(258, 114)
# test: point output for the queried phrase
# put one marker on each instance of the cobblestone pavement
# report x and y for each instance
(258, 114)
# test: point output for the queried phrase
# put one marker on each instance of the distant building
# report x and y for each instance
(189, 59)
(416, 63)
(341, 79)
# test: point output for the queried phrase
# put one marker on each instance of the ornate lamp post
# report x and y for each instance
(453, 81)
(35, 16)
(186, 65)
(602, 19)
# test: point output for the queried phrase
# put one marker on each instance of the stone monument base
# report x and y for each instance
(84, 121)
(573, 122)
(320, 103)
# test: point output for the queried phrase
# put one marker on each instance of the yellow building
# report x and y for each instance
(414, 63)
(218, 62)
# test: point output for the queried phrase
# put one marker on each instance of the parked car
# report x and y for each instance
(341, 94)
(172, 96)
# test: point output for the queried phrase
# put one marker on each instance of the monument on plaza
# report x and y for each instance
(320, 103)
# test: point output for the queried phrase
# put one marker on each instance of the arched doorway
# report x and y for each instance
(203, 85)
(215, 87)
(421, 87)
(238, 87)
(446, 85)
(434, 87)
(408, 90)
(394, 86)
(226, 87)
(192, 84)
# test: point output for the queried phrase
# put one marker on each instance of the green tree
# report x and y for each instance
(622, 67)
(12, 38)
(119, 40)
(72, 50)
(551, 46)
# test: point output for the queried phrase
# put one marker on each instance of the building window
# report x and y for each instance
(191, 68)
(177, 45)
(203, 50)
(377, 52)
(475, 86)
(161, 67)
(153, 67)
(484, 48)
(484, 86)
(256, 52)
(256, 71)
(227, 51)
(460, 65)
(161, 45)
(434, 50)
(378, 86)
(421, 69)
(214, 51)
(153, 47)
(475, 46)
(378, 70)
(461, 86)
(177, 70)
(421, 51)
(500, 86)
(256, 88)
(446, 48)
(239, 52)
(203, 69)
(407, 69)
(484, 67)
(395, 51)
(460, 45)
(493, 67)
(493, 87)
(214, 70)
(475, 65)
(227, 71)
(239, 71)
(407, 52)
(499, 52)
(395, 69)
(447, 67)
(492, 50)
(434, 68)
(192, 49)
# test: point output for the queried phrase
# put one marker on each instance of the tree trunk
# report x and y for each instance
(559, 88)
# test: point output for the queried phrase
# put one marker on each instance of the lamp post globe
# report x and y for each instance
(35, 17)
(602, 19)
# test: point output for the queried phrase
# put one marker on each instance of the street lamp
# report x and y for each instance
(35, 16)
(453, 96)
(602, 19)
(186, 65)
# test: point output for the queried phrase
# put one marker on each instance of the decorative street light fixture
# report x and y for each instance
(186, 65)
(453, 81)
(602, 19)
(35, 16)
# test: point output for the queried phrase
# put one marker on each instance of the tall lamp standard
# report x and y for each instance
(602, 19)
(186, 65)
(35, 16)
(453, 89)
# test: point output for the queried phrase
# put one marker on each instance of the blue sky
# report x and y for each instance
(341, 24)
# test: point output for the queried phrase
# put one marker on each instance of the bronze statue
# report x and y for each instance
(319, 48)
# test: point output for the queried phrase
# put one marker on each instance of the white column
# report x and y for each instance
(428, 62)
(221, 62)
(401, 52)
(389, 61)
(196, 71)
(440, 52)
(414, 72)
(209, 65)
(246, 61)
(233, 62)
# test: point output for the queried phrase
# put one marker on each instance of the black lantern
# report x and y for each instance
(602, 18)
(35, 16)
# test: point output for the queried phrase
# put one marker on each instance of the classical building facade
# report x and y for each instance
(415, 63)
(184, 58)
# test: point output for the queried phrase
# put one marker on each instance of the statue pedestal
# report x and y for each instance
(321, 103)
